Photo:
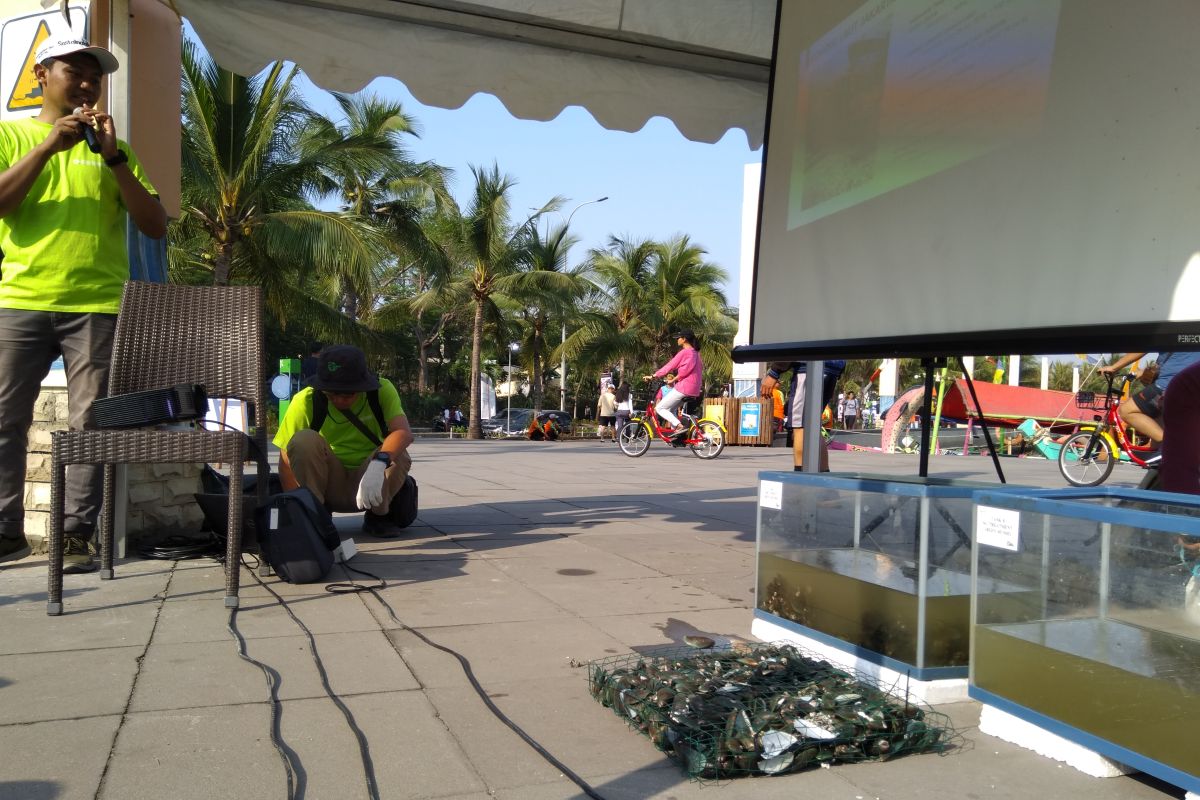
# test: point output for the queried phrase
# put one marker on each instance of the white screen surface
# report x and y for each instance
(979, 173)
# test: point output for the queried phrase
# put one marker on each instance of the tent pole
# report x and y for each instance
(927, 365)
(987, 435)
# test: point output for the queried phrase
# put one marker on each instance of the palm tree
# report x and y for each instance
(387, 188)
(545, 289)
(491, 251)
(246, 190)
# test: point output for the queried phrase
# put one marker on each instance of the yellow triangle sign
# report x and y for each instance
(27, 92)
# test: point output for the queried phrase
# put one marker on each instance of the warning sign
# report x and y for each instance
(27, 93)
(20, 37)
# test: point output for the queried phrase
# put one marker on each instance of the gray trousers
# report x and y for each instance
(29, 343)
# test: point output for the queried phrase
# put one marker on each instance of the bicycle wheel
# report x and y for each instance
(634, 439)
(1086, 459)
(712, 440)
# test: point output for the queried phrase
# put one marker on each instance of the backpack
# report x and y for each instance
(296, 536)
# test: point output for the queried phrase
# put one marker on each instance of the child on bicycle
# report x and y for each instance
(688, 370)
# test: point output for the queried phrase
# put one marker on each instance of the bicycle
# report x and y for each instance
(705, 436)
(1087, 458)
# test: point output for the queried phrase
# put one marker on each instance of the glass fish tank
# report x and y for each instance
(1106, 653)
(876, 566)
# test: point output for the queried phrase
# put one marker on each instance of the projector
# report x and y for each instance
(178, 403)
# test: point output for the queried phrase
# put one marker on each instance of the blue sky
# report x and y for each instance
(657, 182)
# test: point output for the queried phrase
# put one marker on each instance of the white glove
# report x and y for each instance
(370, 488)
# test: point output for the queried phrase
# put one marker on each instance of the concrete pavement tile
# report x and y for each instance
(431, 594)
(555, 559)
(589, 738)
(515, 651)
(415, 755)
(613, 597)
(203, 621)
(736, 587)
(670, 783)
(197, 754)
(197, 674)
(644, 631)
(989, 768)
(27, 629)
(432, 667)
(681, 557)
(502, 758)
(455, 530)
(27, 774)
(138, 582)
(467, 515)
(209, 673)
(66, 685)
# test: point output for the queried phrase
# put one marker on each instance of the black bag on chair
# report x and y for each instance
(404, 505)
(296, 536)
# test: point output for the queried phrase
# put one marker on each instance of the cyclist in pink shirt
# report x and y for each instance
(688, 370)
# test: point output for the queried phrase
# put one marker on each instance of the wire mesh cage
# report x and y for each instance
(1090, 400)
(760, 710)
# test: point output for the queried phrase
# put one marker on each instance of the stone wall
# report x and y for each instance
(159, 495)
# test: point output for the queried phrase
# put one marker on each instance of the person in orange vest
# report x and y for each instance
(778, 395)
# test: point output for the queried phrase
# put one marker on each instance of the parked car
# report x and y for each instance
(504, 426)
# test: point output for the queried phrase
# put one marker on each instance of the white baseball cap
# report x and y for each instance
(54, 48)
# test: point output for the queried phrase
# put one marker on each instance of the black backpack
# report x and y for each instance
(296, 536)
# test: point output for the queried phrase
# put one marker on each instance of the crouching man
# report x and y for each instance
(345, 438)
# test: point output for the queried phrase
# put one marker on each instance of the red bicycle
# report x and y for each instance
(705, 436)
(1087, 458)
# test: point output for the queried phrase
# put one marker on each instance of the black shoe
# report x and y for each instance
(1154, 460)
(77, 556)
(380, 526)
(12, 548)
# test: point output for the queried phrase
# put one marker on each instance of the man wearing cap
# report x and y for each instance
(67, 187)
(347, 459)
(688, 370)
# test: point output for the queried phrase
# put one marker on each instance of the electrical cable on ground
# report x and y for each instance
(272, 677)
(470, 673)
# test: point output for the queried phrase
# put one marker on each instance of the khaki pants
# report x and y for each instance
(317, 469)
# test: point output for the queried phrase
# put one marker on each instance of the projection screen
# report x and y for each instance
(974, 176)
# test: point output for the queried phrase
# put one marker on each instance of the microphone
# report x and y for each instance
(89, 133)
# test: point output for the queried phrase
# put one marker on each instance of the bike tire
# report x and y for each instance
(634, 439)
(1086, 459)
(712, 440)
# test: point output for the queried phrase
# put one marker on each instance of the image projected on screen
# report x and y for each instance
(903, 89)
(950, 177)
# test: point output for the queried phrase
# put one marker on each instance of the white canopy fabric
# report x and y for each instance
(703, 64)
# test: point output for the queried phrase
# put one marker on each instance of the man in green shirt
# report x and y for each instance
(67, 187)
(346, 457)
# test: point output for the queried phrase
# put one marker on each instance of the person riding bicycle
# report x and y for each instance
(688, 370)
(1143, 409)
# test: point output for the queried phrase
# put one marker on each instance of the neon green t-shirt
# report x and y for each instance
(64, 246)
(348, 443)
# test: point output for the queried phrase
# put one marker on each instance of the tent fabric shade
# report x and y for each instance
(703, 64)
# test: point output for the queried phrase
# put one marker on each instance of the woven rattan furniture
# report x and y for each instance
(167, 335)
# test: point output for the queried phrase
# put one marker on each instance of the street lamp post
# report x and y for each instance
(508, 390)
(562, 367)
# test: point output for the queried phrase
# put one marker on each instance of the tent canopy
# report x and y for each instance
(703, 64)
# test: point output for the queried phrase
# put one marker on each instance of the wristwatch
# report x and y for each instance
(119, 158)
(384, 457)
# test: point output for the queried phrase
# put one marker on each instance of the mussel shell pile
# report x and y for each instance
(767, 710)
